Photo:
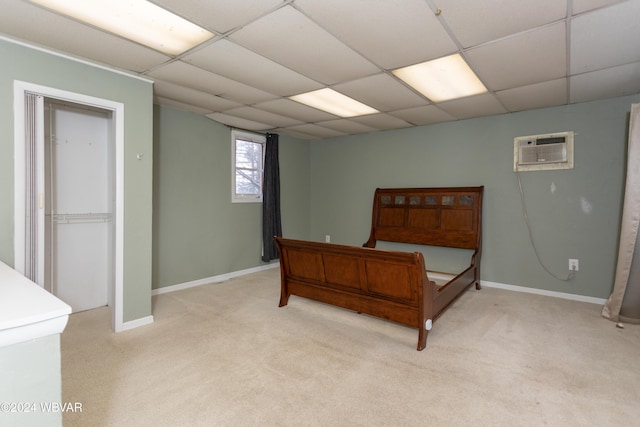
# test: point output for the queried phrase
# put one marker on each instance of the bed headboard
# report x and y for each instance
(450, 216)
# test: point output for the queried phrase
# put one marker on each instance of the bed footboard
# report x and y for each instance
(386, 284)
(389, 284)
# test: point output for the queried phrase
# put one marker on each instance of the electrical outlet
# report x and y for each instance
(574, 265)
(327, 238)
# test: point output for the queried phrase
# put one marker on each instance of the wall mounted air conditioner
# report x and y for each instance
(543, 152)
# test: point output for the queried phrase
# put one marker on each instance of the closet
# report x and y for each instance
(78, 203)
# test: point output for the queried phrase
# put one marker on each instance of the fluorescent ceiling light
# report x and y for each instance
(334, 102)
(442, 79)
(137, 20)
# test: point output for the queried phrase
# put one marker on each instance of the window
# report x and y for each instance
(248, 165)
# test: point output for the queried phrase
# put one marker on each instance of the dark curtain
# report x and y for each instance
(271, 222)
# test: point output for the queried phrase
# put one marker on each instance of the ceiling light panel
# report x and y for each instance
(442, 79)
(137, 20)
(334, 102)
(26, 21)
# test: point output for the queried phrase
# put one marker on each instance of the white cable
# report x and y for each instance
(572, 273)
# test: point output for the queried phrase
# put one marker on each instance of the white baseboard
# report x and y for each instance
(223, 277)
(213, 279)
(563, 295)
(136, 323)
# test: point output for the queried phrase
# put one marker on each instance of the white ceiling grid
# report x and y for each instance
(529, 53)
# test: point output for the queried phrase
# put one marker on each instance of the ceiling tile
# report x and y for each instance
(605, 38)
(473, 106)
(192, 96)
(347, 126)
(386, 26)
(425, 115)
(608, 83)
(312, 131)
(238, 122)
(299, 44)
(268, 50)
(529, 57)
(382, 92)
(187, 75)
(26, 21)
(274, 120)
(219, 15)
(179, 105)
(539, 95)
(581, 6)
(237, 63)
(474, 22)
(295, 110)
(295, 133)
(381, 121)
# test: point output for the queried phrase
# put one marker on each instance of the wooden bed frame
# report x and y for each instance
(390, 284)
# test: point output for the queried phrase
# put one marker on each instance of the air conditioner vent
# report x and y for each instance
(543, 152)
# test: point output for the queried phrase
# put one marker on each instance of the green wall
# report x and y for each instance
(327, 188)
(195, 231)
(41, 68)
(573, 213)
(198, 232)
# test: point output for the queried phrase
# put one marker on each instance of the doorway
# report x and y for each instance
(78, 203)
(79, 235)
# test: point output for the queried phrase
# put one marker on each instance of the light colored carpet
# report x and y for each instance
(226, 355)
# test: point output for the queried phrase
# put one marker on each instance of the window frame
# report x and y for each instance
(248, 137)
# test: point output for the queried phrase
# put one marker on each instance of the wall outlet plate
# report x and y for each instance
(574, 265)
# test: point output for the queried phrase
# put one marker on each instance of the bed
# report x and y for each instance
(391, 284)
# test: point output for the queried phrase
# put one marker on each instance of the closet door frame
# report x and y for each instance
(20, 191)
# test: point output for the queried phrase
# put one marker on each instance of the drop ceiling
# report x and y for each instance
(528, 53)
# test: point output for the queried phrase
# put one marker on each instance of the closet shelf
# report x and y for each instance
(68, 218)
